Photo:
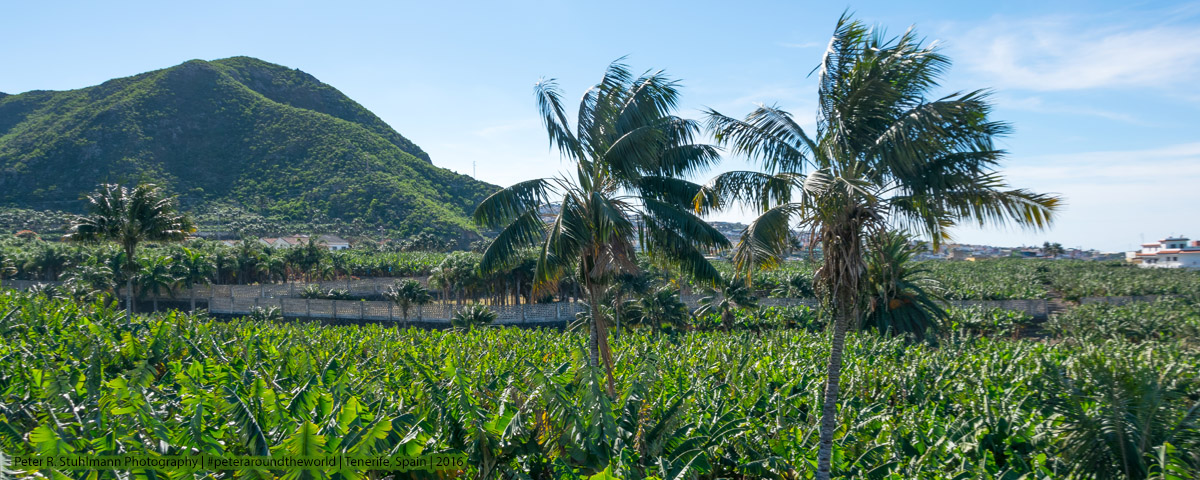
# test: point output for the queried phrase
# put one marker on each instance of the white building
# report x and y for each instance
(332, 242)
(1173, 252)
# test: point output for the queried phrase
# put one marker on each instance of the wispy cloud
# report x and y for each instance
(1179, 162)
(1060, 53)
(1040, 105)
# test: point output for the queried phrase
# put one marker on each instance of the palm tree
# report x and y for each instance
(406, 294)
(730, 296)
(661, 306)
(249, 254)
(628, 151)
(623, 286)
(306, 257)
(194, 267)
(1052, 249)
(473, 316)
(902, 296)
(456, 274)
(271, 267)
(130, 217)
(227, 264)
(156, 277)
(884, 153)
(90, 281)
(48, 258)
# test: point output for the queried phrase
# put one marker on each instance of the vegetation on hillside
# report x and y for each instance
(273, 141)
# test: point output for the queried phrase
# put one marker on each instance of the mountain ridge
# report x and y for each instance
(237, 130)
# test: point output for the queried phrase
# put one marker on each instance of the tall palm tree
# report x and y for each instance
(249, 253)
(271, 267)
(1052, 249)
(194, 267)
(130, 216)
(884, 153)
(728, 297)
(628, 151)
(456, 275)
(306, 257)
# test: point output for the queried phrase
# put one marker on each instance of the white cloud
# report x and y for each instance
(1112, 197)
(1050, 54)
(1040, 105)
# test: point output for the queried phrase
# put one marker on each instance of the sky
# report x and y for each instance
(1101, 96)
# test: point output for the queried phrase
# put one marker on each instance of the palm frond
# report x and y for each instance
(760, 191)
(764, 242)
(502, 207)
(686, 224)
(672, 248)
(554, 117)
(508, 247)
(769, 135)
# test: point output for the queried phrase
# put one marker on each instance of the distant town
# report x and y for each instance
(1170, 252)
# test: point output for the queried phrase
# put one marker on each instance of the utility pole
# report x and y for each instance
(473, 170)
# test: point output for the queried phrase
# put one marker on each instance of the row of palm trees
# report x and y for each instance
(885, 155)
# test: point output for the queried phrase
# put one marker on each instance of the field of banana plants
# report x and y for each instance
(1166, 320)
(84, 379)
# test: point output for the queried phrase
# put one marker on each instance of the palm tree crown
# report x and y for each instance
(406, 294)
(628, 151)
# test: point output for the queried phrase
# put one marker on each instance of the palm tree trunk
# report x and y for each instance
(593, 342)
(843, 267)
(598, 347)
(192, 289)
(617, 318)
(833, 374)
(155, 303)
(129, 296)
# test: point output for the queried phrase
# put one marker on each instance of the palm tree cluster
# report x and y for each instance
(884, 156)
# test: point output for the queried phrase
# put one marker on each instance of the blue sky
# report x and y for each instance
(1102, 96)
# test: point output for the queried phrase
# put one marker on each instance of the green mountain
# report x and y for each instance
(239, 132)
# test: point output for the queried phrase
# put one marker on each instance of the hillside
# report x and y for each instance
(238, 131)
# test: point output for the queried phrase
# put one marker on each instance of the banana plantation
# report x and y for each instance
(685, 354)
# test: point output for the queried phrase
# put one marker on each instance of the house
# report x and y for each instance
(1171, 252)
(332, 242)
